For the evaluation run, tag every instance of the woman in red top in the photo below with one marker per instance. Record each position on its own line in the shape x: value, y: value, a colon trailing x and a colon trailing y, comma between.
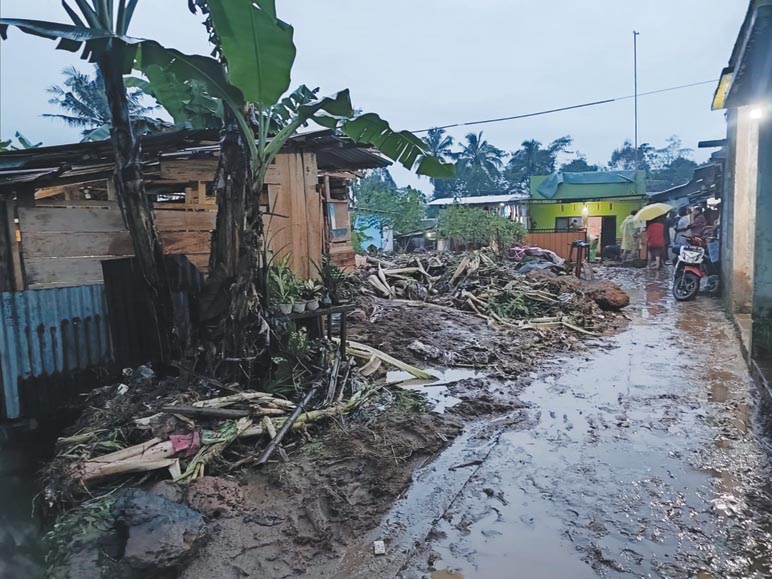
x: 655, y: 240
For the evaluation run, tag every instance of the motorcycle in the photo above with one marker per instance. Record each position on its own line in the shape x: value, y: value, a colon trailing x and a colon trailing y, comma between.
x: 690, y: 269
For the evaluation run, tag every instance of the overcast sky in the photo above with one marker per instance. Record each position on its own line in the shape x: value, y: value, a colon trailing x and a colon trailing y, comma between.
x: 422, y: 63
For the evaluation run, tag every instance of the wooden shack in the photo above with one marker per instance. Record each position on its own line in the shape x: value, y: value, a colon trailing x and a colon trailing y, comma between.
x: 59, y: 218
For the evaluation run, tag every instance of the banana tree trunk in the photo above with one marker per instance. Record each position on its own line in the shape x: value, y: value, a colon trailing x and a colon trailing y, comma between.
x: 231, y: 189
x: 138, y: 214
x: 232, y: 304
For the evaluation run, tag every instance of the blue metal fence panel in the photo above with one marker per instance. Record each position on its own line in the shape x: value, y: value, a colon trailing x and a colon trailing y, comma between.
x: 46, y: 332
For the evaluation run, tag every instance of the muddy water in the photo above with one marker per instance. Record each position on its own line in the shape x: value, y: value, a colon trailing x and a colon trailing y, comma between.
x: 639, y: 460
x: 21, y: 553
x: 436, y: 390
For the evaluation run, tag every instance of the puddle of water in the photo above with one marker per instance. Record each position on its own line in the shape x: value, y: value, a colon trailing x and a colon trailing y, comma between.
x: 446, y: 574
x: 436, y: 390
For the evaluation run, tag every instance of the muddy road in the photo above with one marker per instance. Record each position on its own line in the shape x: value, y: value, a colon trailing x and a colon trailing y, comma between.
x: 641, y: 459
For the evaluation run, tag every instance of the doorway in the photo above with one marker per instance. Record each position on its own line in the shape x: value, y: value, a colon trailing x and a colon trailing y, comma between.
x: 608, y: 234
x: 603, y: 228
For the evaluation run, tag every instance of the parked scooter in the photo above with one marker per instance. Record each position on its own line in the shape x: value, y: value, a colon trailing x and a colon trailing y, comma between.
x: 691, y: 267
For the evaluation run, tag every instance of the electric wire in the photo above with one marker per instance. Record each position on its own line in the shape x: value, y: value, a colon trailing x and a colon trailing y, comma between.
x: 568, y: 108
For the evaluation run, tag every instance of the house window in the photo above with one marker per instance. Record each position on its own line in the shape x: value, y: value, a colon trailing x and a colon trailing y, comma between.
x: 568, y: 223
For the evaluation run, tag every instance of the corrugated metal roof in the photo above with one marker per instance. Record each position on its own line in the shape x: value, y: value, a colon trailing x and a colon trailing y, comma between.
x: 588, y: 186
x: 79, y: 162
x: 481, y: 200
x: 99, y: 151
x: 48, y: 332
x: 334, y: 153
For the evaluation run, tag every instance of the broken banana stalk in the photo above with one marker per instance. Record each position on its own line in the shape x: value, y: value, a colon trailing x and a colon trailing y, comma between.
x: 366, y: 352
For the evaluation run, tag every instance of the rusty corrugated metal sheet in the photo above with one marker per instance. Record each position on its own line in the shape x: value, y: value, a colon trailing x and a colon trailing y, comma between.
x: 49, y: 332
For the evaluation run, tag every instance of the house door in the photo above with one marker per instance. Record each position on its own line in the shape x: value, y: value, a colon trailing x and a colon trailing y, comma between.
x: 608, y: 234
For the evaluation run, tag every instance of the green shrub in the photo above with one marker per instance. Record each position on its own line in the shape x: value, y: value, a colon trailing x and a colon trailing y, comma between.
x: 475, y: 226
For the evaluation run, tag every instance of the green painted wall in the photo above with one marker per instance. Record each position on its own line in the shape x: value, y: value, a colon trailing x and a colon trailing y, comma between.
x: 544, y: 214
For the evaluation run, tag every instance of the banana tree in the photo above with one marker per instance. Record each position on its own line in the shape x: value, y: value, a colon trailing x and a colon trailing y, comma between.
x: 99, y: 29
x: 257, y: 53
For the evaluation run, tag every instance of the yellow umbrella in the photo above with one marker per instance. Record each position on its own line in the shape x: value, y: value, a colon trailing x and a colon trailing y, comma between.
x: 653, y: 211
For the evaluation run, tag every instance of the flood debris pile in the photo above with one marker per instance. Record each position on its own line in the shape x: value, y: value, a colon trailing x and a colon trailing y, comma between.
x: 140, y: 478
x: 496, y: 291
x: 192, y: 426
x: 186, y: 430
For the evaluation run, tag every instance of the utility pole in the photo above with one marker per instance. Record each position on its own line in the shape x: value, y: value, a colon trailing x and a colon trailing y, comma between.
x: 635, y: 66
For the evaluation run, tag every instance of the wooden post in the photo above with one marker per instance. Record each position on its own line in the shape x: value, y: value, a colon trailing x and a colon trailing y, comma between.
x: 201, y: 192
x: 15, y: 253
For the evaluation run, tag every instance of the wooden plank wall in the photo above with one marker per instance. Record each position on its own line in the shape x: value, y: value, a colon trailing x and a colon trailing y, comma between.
x: 296, y: 224
x: 64, y: 243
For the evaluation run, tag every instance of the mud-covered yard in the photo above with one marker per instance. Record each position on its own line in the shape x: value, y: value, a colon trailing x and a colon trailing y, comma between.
x: 332, y: 483
x: 300, y: 518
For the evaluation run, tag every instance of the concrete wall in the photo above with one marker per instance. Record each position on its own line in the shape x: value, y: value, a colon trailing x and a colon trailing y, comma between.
x: 762, y: 273
x: 728, y: 214
x: 544, y: 214
x: 744, y: 230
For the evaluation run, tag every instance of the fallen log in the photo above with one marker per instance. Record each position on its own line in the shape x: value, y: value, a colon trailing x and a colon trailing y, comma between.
x: 224, y: 401
x: 151, y: 455
x: 376, y: 261
x: 379, y: 286
x: 222, y: 413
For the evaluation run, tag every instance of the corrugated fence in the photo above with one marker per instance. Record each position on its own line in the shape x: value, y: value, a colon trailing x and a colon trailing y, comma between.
x: 48, y: 332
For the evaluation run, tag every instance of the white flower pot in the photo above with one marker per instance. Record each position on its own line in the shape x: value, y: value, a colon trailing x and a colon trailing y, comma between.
x: 312, y: 305
x: 299, y: 308
x: 285, y: 308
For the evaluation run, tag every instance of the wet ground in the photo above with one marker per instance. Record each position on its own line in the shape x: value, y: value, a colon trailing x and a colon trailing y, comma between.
x: 642, y: 459
x: 20, y: 549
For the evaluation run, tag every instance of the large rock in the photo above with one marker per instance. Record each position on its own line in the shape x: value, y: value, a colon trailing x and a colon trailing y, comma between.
x: 610, y: 297
x: 161, y: 534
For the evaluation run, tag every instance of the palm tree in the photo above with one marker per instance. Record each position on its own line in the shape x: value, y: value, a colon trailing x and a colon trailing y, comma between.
x: 440, y: 143
x: 479, y: 164
x: 84, y: 105
x: 534, y: 159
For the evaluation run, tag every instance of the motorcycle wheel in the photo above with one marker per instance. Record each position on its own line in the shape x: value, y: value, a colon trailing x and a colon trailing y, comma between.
x: 686, y: 285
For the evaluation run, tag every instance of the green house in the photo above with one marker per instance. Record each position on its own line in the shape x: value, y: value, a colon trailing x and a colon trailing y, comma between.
x: 595, y: 202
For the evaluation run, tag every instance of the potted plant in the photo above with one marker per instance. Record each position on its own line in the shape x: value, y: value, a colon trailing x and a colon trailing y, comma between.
x: 330, y: 276
x: 298, y: 303
x: 311, y: 291
x: 282, y: 286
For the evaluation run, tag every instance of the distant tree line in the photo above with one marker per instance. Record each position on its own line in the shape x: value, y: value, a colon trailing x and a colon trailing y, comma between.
x: 484, y: 169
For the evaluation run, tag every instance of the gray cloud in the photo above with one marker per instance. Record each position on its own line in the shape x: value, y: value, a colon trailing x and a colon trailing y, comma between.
x: 421, y: 63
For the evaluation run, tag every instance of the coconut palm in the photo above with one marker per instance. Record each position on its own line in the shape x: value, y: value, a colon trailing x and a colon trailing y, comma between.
x: 440, y: 143
x: 534, y: 159
x: 99, y: 29
x: 479, y: 164
x: 84, y: 104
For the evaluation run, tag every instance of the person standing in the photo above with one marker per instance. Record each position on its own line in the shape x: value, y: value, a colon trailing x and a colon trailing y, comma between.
x: 670, y: 225
x: 655, y: 241
x: 699, y: 222
x: 683, y: 227
x: 628, y: 229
